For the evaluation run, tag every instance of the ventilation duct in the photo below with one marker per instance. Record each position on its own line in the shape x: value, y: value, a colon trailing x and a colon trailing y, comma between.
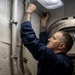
x: 65, y: 24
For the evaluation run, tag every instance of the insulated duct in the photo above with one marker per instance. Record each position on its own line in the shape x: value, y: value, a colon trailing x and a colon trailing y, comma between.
x: 66, y: 24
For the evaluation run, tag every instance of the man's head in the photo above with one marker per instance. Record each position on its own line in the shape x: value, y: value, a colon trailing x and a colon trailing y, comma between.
x: 60, y: 42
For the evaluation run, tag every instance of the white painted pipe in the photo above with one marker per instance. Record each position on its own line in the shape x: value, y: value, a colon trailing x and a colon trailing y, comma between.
x: 14, y: 21
x: 14, y: 37
x: 15, y: 66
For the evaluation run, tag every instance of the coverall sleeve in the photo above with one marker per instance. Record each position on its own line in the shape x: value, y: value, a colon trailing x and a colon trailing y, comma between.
x: 37, y: 49
x: 43, y: 37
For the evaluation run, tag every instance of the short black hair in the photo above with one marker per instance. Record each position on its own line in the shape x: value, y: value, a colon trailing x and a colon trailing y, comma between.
x: 68, y: 39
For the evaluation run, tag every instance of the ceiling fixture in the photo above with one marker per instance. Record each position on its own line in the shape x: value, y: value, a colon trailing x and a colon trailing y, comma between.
x: 51, y: 4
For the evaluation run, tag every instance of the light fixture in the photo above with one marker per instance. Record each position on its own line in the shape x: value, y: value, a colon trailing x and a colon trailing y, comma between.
x: 51, y: 4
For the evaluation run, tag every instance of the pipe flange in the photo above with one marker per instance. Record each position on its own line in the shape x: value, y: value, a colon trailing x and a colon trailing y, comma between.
x: 14, y: 22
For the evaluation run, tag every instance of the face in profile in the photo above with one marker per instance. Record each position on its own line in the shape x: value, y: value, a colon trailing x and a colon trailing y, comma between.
x: 55, y: 42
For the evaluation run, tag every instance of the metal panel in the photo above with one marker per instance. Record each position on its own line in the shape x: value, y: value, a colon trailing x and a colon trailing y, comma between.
x: 69, y: 8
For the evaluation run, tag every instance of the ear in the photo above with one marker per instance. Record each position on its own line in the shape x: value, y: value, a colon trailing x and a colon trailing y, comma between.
x: 62, y: 46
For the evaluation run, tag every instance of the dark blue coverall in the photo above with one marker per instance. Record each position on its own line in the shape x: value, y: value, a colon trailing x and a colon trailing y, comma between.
x: 49, y: 62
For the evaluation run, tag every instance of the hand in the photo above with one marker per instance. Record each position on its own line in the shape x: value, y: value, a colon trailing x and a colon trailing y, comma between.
x: 45, y: 18
x: 31, y: 8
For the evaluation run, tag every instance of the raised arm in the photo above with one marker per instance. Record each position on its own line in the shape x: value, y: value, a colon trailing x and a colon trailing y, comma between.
x: 27, y: 16
x: 39, y: 51
x: 43, y: 27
